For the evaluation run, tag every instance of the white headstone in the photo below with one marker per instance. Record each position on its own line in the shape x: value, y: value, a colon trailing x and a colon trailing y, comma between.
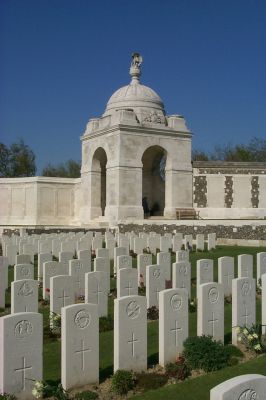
x: 124, y: 262
x: 97, y: 243
x: 211, y: 241
x: 85, y: 257
x: 24, y: 296
x: 21, y: 348
x: 23, y: 271
x: 130, y: 333
x: 42, y: 258
x: 96, y: 291
x: 56, y: 247
x: 226, y: 273
x: 155, y: 282
x: 261, y: 265
x: 119, y: 251
x: 77, y: 270
x: 164, y: 260
x: 61, y: 292
x: 165, y: 244
x: 50, y: 268
x: 182, y: 276
x: 200, y: 242
x: 152, y: 244
x: 177, y: 242
x: 243, y: 305
x: 29, y: 250
x: 102, y: 253
x: 263, y: 303
x: 188, y: 240
x: 139, y: 245
x: 23, y: 259
x: 80, y: 345
x: 210, y: 315
x: 127, y: 282
x: 173, y: 324
x: 182, y: 255
x: 110, y: 245
x: 143, y: 260
x: 204, y: 272
x: 4, y: 270
x: 103, y: 264
x: 64, y: 258
x: 245, y: 266
x: 10, y: 253
x: 243, y: 387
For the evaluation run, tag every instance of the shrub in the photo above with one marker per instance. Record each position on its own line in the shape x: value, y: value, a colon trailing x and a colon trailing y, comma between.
x: 6, y: 396
x: 88, y: 395
x: 152, y: 313
x: 251, y: 338
x: 122, y: 381
x: 178, y: 369
x: 43, y: 389
x: 202, y: 352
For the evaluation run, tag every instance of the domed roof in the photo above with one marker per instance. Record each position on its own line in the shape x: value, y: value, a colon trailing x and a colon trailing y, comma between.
x: 135, y: 95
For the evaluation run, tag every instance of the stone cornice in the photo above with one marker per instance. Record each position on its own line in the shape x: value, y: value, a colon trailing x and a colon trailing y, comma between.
x: 121, y: 128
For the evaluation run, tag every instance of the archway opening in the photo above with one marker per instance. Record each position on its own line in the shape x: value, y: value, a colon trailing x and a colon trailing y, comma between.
x: 153, y: 181
x: 98, y: 188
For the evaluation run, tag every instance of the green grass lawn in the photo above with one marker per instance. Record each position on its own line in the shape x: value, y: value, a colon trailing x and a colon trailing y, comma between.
x: 185, y: 390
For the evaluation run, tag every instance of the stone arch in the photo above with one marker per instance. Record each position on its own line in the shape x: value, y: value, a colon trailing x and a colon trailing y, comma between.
x: 154, y: 160
x: 98, y: 181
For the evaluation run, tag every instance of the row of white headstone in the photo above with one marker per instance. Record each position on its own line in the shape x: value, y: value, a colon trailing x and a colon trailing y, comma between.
x: 21, y: 341
x: 56, y: 243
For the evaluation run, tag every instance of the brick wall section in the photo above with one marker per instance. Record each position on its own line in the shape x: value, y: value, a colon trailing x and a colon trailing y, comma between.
x: 228, y: 232
x: 228, y: 195
x: 200, y: 191
x: 255, y: 191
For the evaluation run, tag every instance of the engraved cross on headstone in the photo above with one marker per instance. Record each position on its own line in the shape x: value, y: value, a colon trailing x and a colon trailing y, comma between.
x: 64, y: 297
x: 128, y: 287
x: 212, y: 321
x: 23, y: 372
x: 175, y: 330
x: 98, y: 291
x: 82, y: 352
x: 228, y: 276
x: 132, y: 342
x: 246, y: 315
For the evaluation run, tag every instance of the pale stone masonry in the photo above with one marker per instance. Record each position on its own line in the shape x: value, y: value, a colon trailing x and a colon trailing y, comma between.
x: 80, y: 345
x: 21, y: 348
x: 130, y: 333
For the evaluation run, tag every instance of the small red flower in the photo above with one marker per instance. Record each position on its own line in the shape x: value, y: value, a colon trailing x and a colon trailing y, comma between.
x: 47, y: 290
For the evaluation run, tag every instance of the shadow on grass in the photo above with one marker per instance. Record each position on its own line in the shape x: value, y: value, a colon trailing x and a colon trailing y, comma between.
x: 227, y: 338
x: 153, y: 359
x: 106, y: 373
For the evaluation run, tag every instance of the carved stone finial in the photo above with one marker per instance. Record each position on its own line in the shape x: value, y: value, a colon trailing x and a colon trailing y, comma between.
x: 135, y: 70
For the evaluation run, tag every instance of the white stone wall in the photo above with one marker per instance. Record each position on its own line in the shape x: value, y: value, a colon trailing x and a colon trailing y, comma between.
x: 241, y: 206
x: 39, y: 201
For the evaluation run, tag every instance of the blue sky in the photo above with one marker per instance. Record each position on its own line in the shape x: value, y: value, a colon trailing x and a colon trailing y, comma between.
x: 61, y: 60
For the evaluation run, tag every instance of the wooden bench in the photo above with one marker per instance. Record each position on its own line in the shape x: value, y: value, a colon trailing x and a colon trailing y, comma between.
x: 187, y: 213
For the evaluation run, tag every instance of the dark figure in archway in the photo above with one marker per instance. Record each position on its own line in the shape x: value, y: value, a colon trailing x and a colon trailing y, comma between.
x: 145, y: 207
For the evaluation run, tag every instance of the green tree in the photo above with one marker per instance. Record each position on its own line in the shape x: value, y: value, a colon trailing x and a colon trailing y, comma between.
x: 69, y: 169
x: 199, y: 155
x: 4, y: 160
x: 17, y: 161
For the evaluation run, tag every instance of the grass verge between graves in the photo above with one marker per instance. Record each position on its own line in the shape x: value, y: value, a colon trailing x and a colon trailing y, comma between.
x: 199, y: 388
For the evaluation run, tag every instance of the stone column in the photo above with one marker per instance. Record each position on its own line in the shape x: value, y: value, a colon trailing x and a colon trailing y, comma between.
x: 178, y: 191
